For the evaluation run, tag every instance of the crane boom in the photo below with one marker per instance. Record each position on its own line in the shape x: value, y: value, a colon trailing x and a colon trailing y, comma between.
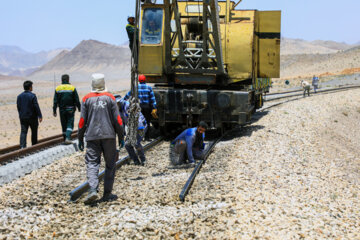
x: 203, y: 54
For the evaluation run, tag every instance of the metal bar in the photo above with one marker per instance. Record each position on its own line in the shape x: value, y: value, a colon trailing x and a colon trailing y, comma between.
x: 196, y: 170
x: 181, y: 58
x: 319, y: 91
x: 167, y: 36
x: 190, y: 181
x: 77, y: 192
x: 300, y: 90
x: 217, y: 35
x: 21, y: 152
x: 17, y: 147
x: 186, y: 70
x: 235, y: 5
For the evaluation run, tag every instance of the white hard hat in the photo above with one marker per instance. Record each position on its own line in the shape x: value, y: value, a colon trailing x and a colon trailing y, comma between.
x: 98, y: 82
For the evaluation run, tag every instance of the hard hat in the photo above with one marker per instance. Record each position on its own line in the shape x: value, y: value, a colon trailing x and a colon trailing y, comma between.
x: 142, y: 78
x: 130, y: 17
x: 98, y: 82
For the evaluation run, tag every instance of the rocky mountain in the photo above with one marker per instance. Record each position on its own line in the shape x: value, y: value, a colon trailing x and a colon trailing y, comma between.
x: 15, y: 61
x: 303, y: 65
x: 87, y: 57
x: 300, y: 46
x: 5, y: 77
x: 298, y: 58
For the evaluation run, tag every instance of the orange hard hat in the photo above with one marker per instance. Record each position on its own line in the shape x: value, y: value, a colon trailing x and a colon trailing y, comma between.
x: 142, y: 78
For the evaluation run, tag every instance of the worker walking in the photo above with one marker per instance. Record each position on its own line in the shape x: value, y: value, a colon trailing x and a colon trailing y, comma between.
x: 67, y: 99
x: 132, y: 33
x: 29, y: 114
x: 147, y: 102
x: 100, y: 122
x: 142, y: 128
x: 190, y: 141
x: 306, y: 87
x: 315, y: 83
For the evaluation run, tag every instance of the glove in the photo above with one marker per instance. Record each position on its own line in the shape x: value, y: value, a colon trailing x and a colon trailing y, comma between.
x: 121, y: 143
x: 54, y: 114
x: 154, y: 113
x: 81, y: 144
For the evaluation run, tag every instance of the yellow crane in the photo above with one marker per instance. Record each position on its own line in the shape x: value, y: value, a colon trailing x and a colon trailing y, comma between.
x: 208, y: 60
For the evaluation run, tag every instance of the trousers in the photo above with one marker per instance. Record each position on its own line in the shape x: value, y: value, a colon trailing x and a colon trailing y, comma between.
x: 139, y: 148
x: 146, y: 111
x: 307, y: 89
x: 178, y: 153
x: 94, y: 149
x: 67, y: 122
x: 316, y: 86
x: 25, y: 124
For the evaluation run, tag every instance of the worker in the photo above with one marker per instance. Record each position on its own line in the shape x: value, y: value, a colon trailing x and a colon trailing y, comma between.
x: 152, y: 28
x: 142, y: 128
x: 315, y: 83
x: 190, y: 141
x: 130, y: 29
x: 100, y: 122
x: 152, y: 33
x: 147, y: 102
x: 29, y: 114
x: 306, y: 87
x: 67, y: 99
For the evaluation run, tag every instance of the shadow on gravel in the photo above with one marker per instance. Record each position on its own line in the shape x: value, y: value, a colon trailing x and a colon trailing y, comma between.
x: 257, y: 116
x: 242, y: 131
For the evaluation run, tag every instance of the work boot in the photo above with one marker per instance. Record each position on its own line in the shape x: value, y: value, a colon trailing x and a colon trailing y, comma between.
x: 91, y: 197
x: 143, y: 160
x: 109, y: 197
x: 68, y: 141
x: 137, y: 162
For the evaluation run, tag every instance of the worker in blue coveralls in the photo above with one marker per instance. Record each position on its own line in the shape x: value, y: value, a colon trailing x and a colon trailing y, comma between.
x: 147, y: 102
x: 190, y: 141
x: 123, y: 106
x: 315, y: 83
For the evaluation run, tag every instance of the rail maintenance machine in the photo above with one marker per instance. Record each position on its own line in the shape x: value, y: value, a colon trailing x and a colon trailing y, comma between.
x: 209, y: 61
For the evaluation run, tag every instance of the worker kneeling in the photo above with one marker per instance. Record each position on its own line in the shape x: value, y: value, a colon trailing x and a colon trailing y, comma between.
x: 190, y: 141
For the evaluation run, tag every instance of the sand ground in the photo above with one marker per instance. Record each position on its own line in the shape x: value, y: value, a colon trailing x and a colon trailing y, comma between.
x: 9, y: 119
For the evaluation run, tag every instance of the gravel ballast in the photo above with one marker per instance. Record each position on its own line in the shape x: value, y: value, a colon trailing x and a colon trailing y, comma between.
x: 293, y: 173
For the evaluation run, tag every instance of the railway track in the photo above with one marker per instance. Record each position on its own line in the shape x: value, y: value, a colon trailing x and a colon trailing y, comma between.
x: 13, y: 152
x: 300, y: 93
x: 198, y: 166
x: 77, y: 192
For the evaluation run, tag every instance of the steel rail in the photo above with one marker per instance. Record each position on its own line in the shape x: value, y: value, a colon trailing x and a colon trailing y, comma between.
x: 77, y: 192
x: 278, y: 93
x: 328, y: 91
x: 24, y: 151
x: 300, y: 90
x: 198, y: 166
x: 320, y: 91
x: 17, y: 147
x: 196, y: 170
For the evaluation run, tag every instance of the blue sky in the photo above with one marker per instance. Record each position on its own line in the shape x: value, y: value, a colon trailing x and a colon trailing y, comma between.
x: 36, y: 25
